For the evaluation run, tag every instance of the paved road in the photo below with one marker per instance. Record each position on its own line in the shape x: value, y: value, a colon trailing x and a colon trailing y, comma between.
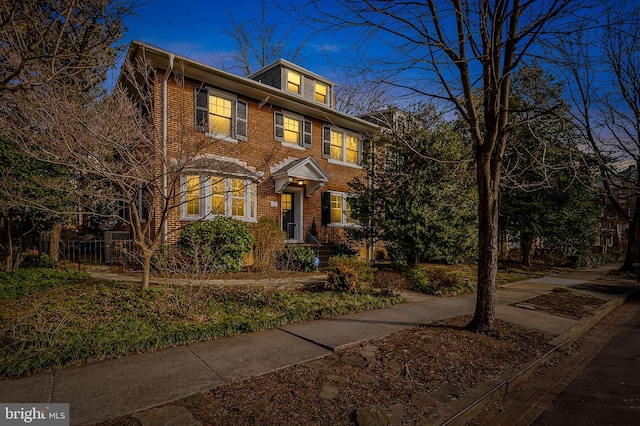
x: 597, y: 382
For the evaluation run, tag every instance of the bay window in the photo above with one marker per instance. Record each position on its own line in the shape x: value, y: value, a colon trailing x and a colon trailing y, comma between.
x: 206, y: 196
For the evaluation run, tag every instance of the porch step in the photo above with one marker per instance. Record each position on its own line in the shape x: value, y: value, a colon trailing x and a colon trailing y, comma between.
x: 324, y: 253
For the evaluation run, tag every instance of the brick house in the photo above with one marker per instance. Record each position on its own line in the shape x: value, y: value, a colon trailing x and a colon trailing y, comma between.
x: 271, y: 144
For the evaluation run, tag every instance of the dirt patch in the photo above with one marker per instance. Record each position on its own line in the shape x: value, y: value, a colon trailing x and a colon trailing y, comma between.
x: 415, y: 372
x: 564, y: 303
x: 408, y: 377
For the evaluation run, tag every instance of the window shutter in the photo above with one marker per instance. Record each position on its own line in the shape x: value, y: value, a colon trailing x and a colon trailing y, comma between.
x: 326, y: 207
x: 307, y: 134
x: 326, y: 142
x: 202, y: 109
x: 241, y: 120
x: 360, y: 151
x: 278, y: 129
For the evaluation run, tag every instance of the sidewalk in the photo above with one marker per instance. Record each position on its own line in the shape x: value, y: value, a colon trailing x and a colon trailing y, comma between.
x: 113, y: 388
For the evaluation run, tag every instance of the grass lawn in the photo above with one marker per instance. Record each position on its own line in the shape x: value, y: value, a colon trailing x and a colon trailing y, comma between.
x: 70, y: 323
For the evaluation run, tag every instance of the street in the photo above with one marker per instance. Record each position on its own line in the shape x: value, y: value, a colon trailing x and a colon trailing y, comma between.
x: 596, y: 382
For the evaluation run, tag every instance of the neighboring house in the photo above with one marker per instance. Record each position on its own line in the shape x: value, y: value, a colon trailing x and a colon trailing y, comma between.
x: 271, y: 144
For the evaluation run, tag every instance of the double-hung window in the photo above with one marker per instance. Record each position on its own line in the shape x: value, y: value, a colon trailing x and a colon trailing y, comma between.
x: 337, y: 209
x: 341, y: 146
x: 207, y: 196
x: 322, y: 91
x: 220, y: 114
x: 294, y: 82
x: 292, y: 129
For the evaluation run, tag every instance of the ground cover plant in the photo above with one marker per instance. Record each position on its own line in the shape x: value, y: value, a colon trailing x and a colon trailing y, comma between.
x: 74, y: 324
x: 26, y: 281
x: 451, y: 280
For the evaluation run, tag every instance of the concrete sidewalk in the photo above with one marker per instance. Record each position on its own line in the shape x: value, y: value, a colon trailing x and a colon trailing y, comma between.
x: 113, y: 388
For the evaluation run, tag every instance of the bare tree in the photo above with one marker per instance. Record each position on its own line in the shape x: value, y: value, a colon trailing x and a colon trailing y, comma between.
x: 262, y: 40
x: 601, y: 60
x: 48, y: 43
x: 451, y: 51
x: 113, y: 148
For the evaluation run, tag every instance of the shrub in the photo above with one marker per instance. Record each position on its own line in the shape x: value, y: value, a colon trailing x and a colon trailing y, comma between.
x: 302, y: 258
x: 269, y: 244
x: 297, y: 258
x: 437, y: 282
x: 348, y: 273
x: 217, y: 245
x: 592, y: 260
x: 38, y: 261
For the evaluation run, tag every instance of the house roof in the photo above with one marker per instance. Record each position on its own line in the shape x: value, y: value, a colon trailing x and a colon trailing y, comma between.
x: 247, y: 87
x: 286, y: 64
x: 227, y: 168
x: 305, y: 169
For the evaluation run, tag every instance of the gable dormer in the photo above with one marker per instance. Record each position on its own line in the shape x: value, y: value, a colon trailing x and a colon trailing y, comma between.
x: 296, y: 80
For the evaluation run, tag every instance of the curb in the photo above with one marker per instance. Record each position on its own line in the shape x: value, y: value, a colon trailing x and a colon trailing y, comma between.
x: 495, y: 390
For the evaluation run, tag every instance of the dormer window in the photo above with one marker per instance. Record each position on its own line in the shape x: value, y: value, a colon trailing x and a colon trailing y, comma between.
x: 321, y: 92
x: 293, y: 82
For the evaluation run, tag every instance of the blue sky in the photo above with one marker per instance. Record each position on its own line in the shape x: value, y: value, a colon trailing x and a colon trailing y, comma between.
x: 195, y: 29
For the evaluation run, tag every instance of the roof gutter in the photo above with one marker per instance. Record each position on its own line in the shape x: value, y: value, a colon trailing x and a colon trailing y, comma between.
x: 164, y: 144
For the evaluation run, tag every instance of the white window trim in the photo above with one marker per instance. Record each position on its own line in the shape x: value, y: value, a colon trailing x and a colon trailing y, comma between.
x: 343, y: 161
x: 250, y: 201
x: 343, y: 216
x: 327, y: 96
x: 233, y: 138
x: 184, y: 216
x: 301, y: 135
x: 301, y: 87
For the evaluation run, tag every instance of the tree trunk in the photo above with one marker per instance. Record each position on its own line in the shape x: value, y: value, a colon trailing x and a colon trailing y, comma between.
x: 484, y: 316
x: 633, y: 241
x: 54, y: 242
x: 146, y: 269
x: 525, y: 247
x: 6, y: 244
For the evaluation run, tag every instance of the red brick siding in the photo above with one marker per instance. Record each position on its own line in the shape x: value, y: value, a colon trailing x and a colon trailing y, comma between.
x: 260, y: 151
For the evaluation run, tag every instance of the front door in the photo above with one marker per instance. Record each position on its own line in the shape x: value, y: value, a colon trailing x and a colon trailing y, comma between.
x: 289, y: 215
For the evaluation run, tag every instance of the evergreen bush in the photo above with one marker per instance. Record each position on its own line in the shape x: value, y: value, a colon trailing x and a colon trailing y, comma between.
x: 217, y: 245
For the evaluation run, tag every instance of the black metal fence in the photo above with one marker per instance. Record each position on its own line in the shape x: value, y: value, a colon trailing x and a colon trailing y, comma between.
x: 111, y: 250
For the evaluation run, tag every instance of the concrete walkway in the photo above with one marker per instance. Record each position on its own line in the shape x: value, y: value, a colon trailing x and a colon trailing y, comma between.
x: 116, y: 387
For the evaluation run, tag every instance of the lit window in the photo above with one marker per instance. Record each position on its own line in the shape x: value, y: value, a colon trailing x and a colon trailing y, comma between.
x: 336, y: 145
x: 293, y: 82
x: 193, y: 195
x: 237, y: 197
x: 336, y: 208
x: 220, y: 115
x: 340, y: 211
x: 321, y: 92
x: 340, y: 145
x: 352, y: 149
x: 291, y: 130
x: 217, y: 197
x: 223, y: 196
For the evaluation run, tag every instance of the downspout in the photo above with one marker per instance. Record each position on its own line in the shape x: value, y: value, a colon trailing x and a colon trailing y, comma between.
x: 164, y: 144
